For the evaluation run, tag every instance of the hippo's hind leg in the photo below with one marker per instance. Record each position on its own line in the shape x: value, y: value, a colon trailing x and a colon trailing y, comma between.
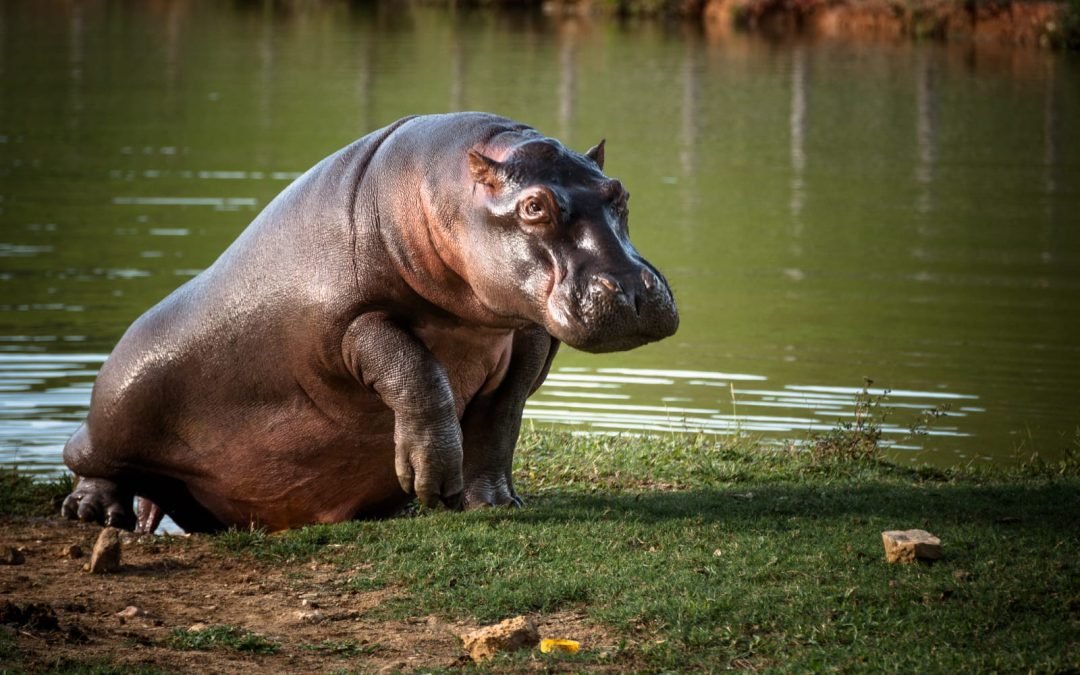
x: 106, y: 496
x: 96, y: 498
x: 99, y: 500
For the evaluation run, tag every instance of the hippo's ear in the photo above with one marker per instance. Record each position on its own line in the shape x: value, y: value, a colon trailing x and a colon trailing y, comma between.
x: 596, y: 154
x: 485, y: 170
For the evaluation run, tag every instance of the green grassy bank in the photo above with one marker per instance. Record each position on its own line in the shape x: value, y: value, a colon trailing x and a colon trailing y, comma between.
x: 698, y: 556
x: 702, y: 556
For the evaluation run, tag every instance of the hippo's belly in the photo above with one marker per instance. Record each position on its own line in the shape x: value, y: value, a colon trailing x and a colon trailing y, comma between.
x: 287, y: 468
x: 320, y: 451
x: 285, y: 464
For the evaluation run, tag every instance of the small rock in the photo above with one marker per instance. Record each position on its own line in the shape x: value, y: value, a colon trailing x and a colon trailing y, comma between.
x: 314, y: 616
x: 908, y: 545
x: 71, y: 552
x: 106, y: 556
x: 9, y: 555
x: 131, y: 612
x: 510, y: 635
x: 197, y: 627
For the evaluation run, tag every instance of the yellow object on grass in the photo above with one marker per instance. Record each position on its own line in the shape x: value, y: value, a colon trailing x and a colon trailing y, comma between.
x: 565, y: 646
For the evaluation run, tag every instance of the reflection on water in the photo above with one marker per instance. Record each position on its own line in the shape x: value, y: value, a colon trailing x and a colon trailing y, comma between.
x: 824, y: 211
x: 219, y: 203
x: 799, y: 87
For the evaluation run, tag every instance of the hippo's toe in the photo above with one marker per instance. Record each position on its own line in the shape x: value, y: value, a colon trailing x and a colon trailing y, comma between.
x: 482, y: 494
x: 97, y: 500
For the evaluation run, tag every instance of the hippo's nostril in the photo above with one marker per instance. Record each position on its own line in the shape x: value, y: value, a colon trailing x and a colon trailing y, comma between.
x: 608, y: 282
x: 648, y: 278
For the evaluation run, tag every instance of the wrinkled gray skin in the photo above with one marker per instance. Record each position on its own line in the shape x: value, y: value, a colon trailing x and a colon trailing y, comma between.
x: 373, y: 334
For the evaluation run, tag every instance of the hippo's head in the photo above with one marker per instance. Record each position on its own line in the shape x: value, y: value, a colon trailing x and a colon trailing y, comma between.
x: 549, y: 232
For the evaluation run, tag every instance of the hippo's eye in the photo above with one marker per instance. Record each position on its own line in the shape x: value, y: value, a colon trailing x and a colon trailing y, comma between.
x: 532, y: 210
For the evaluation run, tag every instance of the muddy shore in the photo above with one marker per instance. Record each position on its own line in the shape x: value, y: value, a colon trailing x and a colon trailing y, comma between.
x: 1035, y: 23
x: 295, y: 617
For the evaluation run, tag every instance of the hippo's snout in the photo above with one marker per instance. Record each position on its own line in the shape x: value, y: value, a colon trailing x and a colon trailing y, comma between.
x: 630, y: 293
x: 623, y: 311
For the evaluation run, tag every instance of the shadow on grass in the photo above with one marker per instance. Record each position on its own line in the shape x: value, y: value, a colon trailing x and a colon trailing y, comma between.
x: 1054, y: 504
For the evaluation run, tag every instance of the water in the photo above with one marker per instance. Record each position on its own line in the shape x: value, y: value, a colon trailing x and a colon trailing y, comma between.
x: 826, y: 212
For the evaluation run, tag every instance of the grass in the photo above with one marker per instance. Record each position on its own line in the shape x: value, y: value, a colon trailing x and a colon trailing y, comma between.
x: 8, y: 647
x: 695, y: 555
x: 222, y: 637
x: 22, y: 495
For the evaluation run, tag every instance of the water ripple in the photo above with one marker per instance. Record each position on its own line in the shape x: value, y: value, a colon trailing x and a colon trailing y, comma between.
x: 800, y: 410
x: 43, y: 399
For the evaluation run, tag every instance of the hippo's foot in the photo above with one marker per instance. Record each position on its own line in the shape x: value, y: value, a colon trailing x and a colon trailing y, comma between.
x: 430, y: 468
x: 98, y: 500
x: 482, y: 493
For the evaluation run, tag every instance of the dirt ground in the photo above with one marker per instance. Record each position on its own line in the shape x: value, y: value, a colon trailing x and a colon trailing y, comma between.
x: 178, y: 583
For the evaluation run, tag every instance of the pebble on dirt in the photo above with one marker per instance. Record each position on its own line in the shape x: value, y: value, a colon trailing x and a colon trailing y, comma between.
x: 106, y: 556
x: 131, y: 612
x: 9, y: 555
x: 71, y: 551
x: 908, y: 545
x: 510, y: 635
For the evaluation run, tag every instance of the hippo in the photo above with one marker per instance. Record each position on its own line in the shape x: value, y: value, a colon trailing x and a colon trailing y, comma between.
x: 370, y: 338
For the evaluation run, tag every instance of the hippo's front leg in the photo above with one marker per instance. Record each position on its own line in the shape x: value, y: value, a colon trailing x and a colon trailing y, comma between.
x: 412, y: 382
x: 492, y: 421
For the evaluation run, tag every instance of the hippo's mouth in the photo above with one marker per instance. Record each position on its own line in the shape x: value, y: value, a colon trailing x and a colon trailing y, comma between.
x: 605, y: 318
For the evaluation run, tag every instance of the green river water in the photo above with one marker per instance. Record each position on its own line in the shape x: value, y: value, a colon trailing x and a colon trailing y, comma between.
x: 826, y: 212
